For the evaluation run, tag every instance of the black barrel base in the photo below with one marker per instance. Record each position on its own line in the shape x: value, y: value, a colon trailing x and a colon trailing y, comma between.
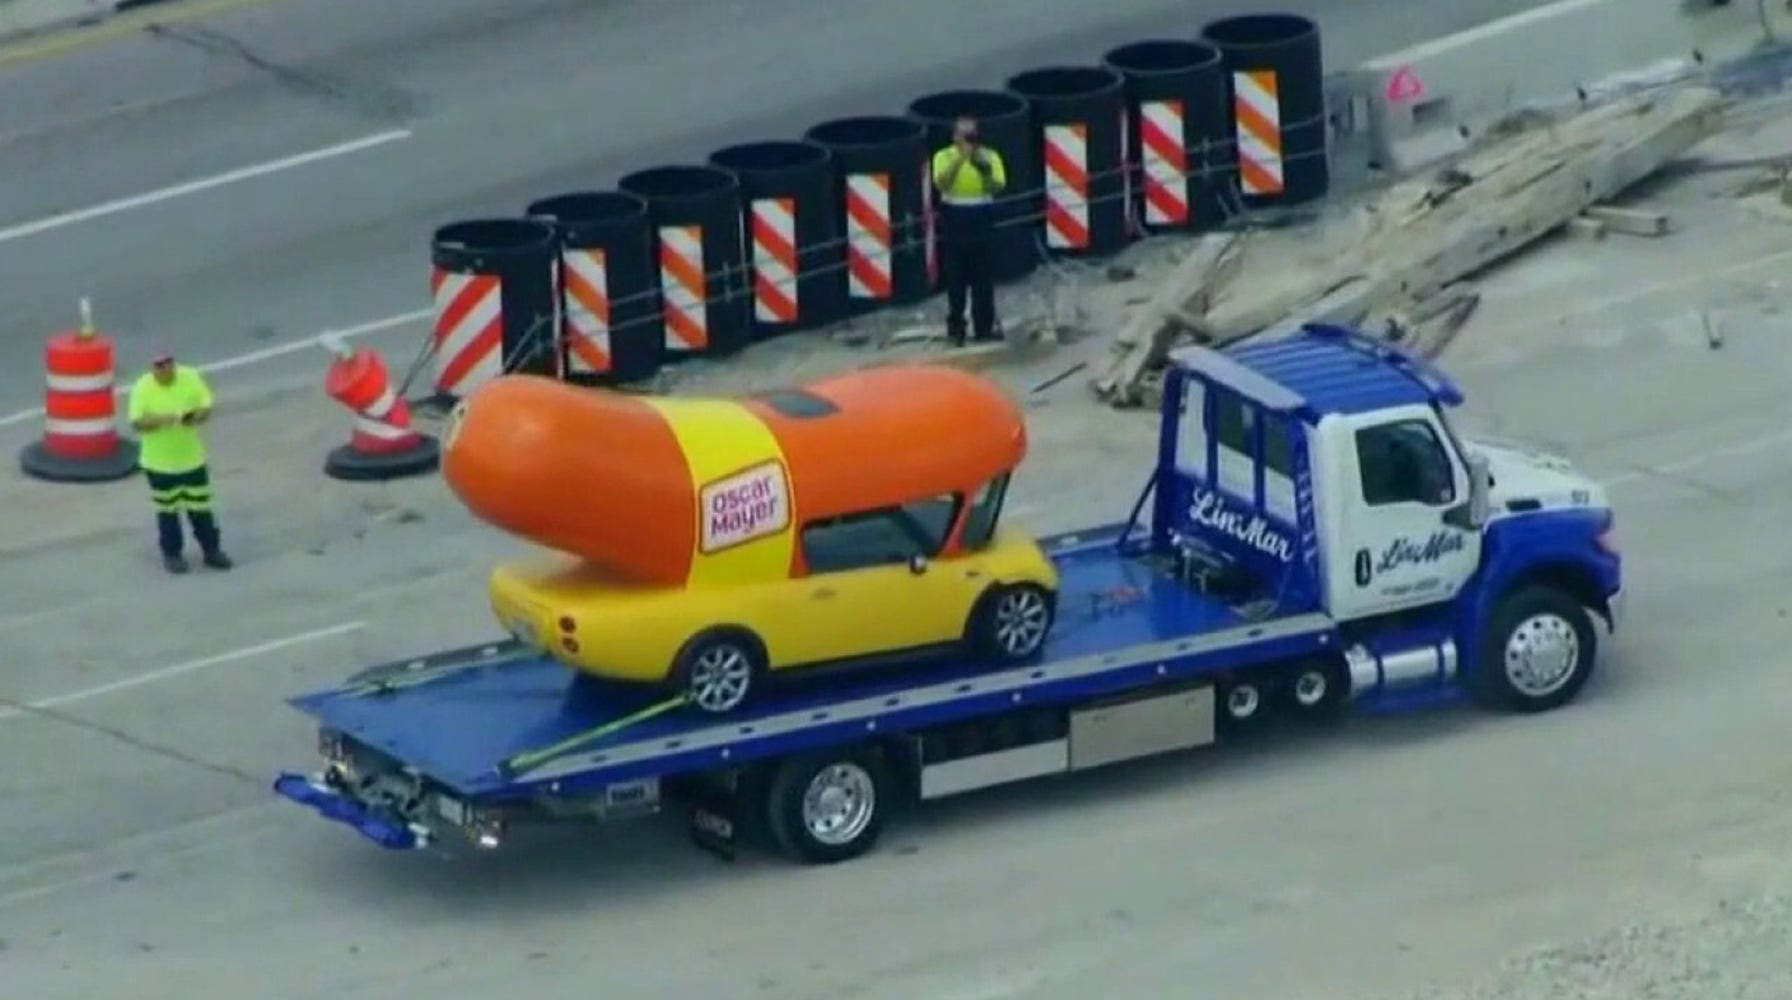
x: 37, y: 462
x: 349, y: 465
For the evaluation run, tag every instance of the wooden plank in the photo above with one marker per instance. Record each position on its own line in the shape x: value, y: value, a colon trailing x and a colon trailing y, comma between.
x: 1422, y: 236
x: 1629, y: 221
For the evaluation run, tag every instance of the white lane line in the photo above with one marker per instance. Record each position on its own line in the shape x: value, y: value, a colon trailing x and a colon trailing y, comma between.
x: 238, y: 175
x: 182, y: 669
x: 265, y: 354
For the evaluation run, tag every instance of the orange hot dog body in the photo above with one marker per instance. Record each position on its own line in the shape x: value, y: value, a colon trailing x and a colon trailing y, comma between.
x: 609, y: 477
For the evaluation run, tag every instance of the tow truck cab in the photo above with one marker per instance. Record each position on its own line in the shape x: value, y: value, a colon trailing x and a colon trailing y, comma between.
x: 1322, y: 472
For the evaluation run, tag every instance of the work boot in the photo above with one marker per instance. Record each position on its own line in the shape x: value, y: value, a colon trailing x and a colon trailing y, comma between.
x: 174, y: 564
x: 216, y: 559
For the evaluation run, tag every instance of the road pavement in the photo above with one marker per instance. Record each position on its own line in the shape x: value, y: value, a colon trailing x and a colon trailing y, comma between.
x: 482, y: 107
x: 141, y: 852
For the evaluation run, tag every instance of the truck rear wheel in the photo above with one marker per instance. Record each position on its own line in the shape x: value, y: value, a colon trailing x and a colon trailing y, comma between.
x: 1241, y: 703
x: 1538, y: 651
x: 824, y: 808
x: 1316, y: 690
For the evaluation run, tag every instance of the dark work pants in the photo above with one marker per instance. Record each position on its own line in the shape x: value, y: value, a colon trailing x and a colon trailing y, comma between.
x: 183, y: 492
x: 967, y: 238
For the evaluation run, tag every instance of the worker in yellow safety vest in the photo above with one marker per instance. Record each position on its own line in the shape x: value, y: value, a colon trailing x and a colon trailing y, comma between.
x: 168, y: 405
x: 969, y: 177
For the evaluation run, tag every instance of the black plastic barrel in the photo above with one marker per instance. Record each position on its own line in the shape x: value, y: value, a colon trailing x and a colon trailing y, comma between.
x: 706, y: 299
x: 1005, y: 123
x: 1078, y: 115
x: 794, y: 243
x: 1179, y: 135
x: 611, y: 331
x: 880, y: 173
x: 1277, y: 79
x: 492, y: 282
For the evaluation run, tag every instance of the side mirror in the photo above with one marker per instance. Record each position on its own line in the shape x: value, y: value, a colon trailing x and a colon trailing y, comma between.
x: 1472, y: 513
x: 1480, y: 488
x: 917, y: 564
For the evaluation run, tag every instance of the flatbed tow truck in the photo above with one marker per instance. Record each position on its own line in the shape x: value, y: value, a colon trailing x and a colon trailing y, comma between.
x: 1314, y: 535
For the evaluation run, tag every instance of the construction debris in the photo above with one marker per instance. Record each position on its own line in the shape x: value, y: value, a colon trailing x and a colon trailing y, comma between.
x: 1403, y: 255
x: 1630, y: 221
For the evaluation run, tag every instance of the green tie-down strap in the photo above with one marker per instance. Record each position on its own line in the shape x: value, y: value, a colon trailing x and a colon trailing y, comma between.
x: 530, y: 759
x: 396, y: 677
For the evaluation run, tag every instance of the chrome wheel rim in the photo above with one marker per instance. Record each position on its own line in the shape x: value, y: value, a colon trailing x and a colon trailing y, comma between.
x: 1310, y: 688
x: 1242, y: 701
x: 1541, y: 654
x: 839, y: 804
x: 720, y: 678
x: 1021, y: 621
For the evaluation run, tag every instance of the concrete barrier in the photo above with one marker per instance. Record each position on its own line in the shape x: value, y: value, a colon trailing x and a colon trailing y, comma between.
x: 1429, y: 102
x: 22, y: 18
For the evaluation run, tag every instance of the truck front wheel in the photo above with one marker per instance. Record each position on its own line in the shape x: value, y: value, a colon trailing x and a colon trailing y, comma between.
x: 823, y: 808
x: 1538, y: 651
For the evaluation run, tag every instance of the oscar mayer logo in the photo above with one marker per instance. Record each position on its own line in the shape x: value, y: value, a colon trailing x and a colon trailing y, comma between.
x: 740, y: 507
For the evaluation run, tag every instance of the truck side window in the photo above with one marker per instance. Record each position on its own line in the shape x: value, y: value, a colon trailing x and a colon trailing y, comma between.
x: 986, y: 508
x: 882, y: 537
x: 1237, y: 427
x: 1404, y: 462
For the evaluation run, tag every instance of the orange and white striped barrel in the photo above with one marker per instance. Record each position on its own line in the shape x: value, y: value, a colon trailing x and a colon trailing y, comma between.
x: 80, y: 443
x: 774, y: 261
x: 869, y: 236
x: 685, y: 289
x: 1256, y: 110
x: 80, y: 397
x: 1163, y: 163
x: 1067, y: 186
x: 359, y: 380
x: 468, y: 336
x: 585, y: 311
x: 382, y: 444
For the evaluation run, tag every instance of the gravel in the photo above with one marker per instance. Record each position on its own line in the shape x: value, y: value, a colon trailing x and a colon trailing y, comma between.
x: 1738, y: 950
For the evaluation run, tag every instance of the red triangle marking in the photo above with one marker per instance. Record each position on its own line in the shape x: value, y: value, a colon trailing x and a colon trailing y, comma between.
x: 1404, y: 85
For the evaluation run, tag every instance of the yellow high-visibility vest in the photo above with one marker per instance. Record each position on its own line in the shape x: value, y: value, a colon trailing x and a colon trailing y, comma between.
x: 969, y: 186
x: 178, y: 447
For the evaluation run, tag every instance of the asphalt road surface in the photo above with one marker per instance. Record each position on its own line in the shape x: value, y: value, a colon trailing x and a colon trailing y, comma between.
x: 141, y: 853
x: 362, y: 126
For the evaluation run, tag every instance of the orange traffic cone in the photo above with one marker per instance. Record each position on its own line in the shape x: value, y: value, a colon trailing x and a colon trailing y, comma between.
x: 81, y: 443
x: 382, y: 443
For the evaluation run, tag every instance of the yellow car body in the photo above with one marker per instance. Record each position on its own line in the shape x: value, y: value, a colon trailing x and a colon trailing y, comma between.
x: 634, y: 633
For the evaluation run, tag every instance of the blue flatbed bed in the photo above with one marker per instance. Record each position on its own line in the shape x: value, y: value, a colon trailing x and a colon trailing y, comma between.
x: 1122, y: 624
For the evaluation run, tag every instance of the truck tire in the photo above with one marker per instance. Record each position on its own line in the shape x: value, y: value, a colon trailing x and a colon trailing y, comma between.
x: 719, y: 671
x: 828, y: 807
x: 1241, y: 704
x: 1011, y: 622
x: 1537, y: 653
x: 1316, y: 690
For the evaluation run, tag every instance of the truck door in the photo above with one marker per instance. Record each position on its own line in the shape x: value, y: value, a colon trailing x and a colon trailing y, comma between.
x: 1399, y: 549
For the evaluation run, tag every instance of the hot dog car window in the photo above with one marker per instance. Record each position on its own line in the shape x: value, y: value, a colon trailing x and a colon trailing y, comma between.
x: 883, y: 537
x: 986, y: 506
